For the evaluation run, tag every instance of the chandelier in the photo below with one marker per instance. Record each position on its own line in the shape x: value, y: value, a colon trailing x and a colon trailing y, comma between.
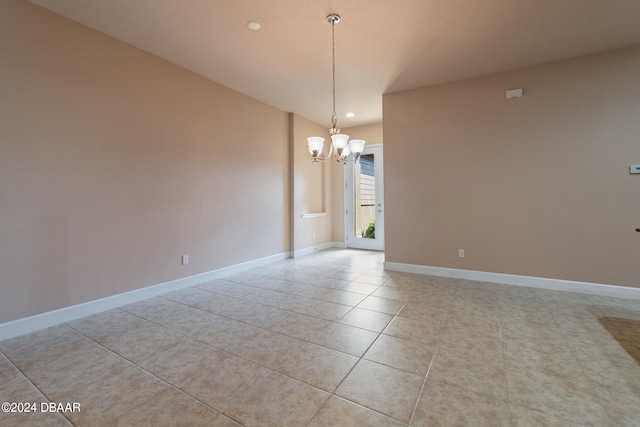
x: 341, y: 147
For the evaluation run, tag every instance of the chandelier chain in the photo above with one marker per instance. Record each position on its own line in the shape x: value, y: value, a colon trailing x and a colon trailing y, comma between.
x: 334, y: 118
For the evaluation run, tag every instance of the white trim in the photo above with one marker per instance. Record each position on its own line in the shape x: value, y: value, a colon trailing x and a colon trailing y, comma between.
x: 314, y: 215
x: 512, y: 279
x: 312, y: 249
x: 55, y: 317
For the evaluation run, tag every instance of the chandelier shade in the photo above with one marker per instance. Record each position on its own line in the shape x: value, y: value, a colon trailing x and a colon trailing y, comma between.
x: 356, y: 145
x: 339, y: 140
x: 316, y: 144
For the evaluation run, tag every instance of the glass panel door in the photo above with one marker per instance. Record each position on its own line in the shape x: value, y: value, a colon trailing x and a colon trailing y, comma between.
x: 363, y: 201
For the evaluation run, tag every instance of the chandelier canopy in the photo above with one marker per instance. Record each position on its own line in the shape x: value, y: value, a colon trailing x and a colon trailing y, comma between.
x: 341, y: 147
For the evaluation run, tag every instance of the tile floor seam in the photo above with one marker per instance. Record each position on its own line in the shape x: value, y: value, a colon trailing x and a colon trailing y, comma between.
x: 119, y: 356
x: 504, y: 367
x: 426, y: 376
x: 598, y: 395
x: 254, y: 380
x: 217, y: 314
x: 287, y: 281
x: 357, y: 404
x: 167, y: 383
x: 562, y: 417
x: 424, y: 383
x: 574, y: 353
x: 285, y: 293
x: 244, y: 358
x: 360, y: 358
x: 31, y: 383
x: 354, y: 366
x: 218, y: 348
x: 545, y: 414
x: 181, y: 391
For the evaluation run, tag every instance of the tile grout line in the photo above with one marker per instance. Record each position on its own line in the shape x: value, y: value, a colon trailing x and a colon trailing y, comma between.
x: 433, y: 358
x: 253, y: 325
x: 332, y: 394
x: 360, y: 358
x: 504, y: 364
x: 42, y: 393
x: 572, y: 351
x: 132, y: 363
x: 574, y: 354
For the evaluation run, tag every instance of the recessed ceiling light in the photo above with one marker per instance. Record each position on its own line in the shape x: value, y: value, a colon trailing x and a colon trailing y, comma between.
x: 253, y: 25
x: 350, y: 115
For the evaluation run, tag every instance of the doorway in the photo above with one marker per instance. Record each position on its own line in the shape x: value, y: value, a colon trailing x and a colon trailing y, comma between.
x: 364, y: 201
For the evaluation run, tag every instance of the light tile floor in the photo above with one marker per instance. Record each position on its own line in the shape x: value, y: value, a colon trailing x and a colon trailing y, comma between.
x: 332, y: 339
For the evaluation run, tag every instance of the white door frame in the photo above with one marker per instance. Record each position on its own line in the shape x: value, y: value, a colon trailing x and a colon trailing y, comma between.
x: 349, y: 199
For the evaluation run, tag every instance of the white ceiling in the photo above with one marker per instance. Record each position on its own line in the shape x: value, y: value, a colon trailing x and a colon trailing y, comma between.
x: 382, y: 46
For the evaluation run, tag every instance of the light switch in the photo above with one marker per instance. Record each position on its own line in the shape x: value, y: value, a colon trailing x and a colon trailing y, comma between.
x: 634, y: 169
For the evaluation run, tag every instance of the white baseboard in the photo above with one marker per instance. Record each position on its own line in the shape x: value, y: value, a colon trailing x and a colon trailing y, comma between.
x: 512, y: 279
x: 321, y: 247
x: 55, y: 317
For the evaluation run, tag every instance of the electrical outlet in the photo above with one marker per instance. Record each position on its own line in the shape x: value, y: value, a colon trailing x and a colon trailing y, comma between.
x: 185, y: 259
x: 461, y: 253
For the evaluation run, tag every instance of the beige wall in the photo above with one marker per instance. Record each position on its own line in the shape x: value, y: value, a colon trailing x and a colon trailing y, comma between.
x: 372, y: 134
x: 114, y: 163
x: 311, y: 187
x: 536, y: 186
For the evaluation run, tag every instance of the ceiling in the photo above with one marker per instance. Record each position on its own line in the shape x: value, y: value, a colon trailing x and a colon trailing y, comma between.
x: 382, y: 46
